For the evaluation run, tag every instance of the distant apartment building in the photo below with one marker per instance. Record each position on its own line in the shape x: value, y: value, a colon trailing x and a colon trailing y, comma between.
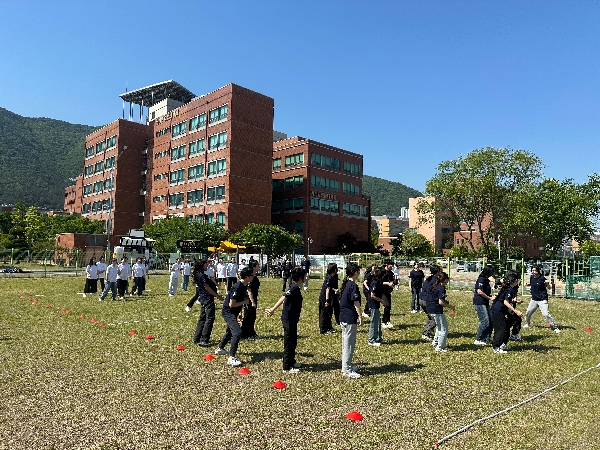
x: 389, y: 227
x: 433, y: 229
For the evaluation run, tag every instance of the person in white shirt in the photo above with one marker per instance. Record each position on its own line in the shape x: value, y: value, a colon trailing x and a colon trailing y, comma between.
x: 231, y: 273
x: 111, y: 280
x: 146, y: 274
x: 185, y: 270
x: 210, y: 271
x: 139, y: 271
x: 241, y: 267
x: 91, y: 278
x: 123, y: 275
x: 174, y: 279
x: 221, y: 272
x: 396, y: 273
x: 101, y: 269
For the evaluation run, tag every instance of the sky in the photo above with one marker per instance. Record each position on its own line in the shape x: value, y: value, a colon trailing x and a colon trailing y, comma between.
x: 407, y: 84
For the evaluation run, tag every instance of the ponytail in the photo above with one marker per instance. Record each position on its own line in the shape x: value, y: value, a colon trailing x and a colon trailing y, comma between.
x: 351, y: 269
x: 440, y: 277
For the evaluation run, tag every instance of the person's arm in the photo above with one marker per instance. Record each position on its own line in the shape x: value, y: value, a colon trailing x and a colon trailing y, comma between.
x: 359, y: 312
x: 208, y: 289
x: 380, y: 300
x: 251, y: 296
x: 269, y: 311
x: 233, y: 303
x: 484, y: 295
x: 446, y: 304
x: 512, y: 309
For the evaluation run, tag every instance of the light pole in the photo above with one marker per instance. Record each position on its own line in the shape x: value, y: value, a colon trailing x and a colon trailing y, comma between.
x: 308, y: 242
x: 498, y: 247
x: 110, y: 206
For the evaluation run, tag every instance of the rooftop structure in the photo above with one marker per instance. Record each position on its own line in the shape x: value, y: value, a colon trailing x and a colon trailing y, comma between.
x: 150, y: 95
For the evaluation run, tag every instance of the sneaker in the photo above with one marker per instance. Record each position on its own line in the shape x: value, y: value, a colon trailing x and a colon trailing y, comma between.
x: 557, y: 330
x: 482, y: 343
x: 434, y: 343
x: 525, y: 325
x: 305, y: 288
x: 381, y: 341
x: 505, y: 347
x: 297, y: 365
x: 353, y: 375
x: 354, y: 368
x: 188, y: 309
x: 442, y: 350
x: 331, y: 331
x: 198, y: 302
x: 413, y: 311
x: 121, y: 298
x: 292, y: 370
x: 170, y: 295
x: 221, y: 351
x: 203, y: 344
x: 84, y: 296
x: 366, y: 316
x: 233, y: 361
x: 100, y: 299
x: 515, y: 337
x: 426, y: 338
x: 499, y: 350
x: 387, y: 325
x: 374, y: 343
x: 250, y: 338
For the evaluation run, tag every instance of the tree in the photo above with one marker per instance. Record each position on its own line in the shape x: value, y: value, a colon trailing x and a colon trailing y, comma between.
x: 271, y: 239
x: 411, y: 245
x: 461, y: 252
x: 479, y: 190
x: 589, y: 248
x: 168, y: 231
x: 36, y: 231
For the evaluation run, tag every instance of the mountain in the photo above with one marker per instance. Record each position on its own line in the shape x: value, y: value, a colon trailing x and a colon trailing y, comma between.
x: 387, y: 197
x: 37, y: 158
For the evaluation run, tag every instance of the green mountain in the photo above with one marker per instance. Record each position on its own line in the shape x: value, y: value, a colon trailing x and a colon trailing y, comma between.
x: 387, y: 197
x: 37, y: 158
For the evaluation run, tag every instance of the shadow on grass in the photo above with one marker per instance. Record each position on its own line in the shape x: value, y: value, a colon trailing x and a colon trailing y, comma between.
x: 392, y: 367
x: 262, y: 356
x: 5, y: 338
x: 401, y: 326
x: 404, y: 341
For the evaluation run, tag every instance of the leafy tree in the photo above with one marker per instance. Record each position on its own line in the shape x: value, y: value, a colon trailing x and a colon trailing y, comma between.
x: 589, y: 248
x: 461, y: 252
x: 168, y: 231
x: 411, y: 245
x: 387, y: 197
x: 36, y: 234
x: 271, y: 239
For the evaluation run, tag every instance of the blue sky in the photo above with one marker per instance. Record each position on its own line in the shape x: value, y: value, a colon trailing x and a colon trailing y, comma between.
x: 406, y: 84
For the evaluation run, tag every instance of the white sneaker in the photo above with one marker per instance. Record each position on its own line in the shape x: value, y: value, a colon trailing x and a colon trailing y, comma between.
x: 198, y: 302
x: 374, y: 343
x: 188, y: 309
x: 515, y: 337
x: 442, y: 350
x: 292, y: 370
x: 505, y: 347
x: 482, y: 343
x: 413, y: 311
x: 305, y: 288
x: 84, y: 296
x: 557, y: 330
x: 221, y: 351
x: 233, y: 361
x: 426, y: 338
x: 525, y: 325
x: 353, y: 375
x: 499, y: 350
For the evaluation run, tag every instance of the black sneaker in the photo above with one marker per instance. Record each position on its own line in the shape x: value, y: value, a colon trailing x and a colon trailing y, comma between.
x: 203, y: 344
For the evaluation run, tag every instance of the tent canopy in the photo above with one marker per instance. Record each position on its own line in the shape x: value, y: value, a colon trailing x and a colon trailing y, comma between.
x: 227, y: 247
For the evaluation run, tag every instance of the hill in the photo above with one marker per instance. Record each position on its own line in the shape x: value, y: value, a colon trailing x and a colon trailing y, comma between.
x: 387, y: 197
x: 37, y: 158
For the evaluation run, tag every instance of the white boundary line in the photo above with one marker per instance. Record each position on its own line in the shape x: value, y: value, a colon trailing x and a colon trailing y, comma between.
x: 465, y: 428
x: 148, y: 320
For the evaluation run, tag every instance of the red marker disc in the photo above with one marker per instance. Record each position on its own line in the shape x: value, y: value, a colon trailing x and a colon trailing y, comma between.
x: 354, y: 416
x: 94, y: 320
x: 279, y: 385
x: 244, y: 371
x: 132, y: 332
x: 180, y: 347
x: 209, y: 357
x: 588, y: 329
x: 82, y: 316
x: 48, y: 306
x: 149, y: 337
x: 101, y: 324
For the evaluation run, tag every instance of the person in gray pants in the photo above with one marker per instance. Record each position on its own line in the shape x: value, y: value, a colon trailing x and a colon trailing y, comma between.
x: 428, y: 331
x: 539, y: 298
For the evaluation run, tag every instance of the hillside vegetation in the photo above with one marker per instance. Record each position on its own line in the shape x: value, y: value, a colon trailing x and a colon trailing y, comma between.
x: 387, y: 197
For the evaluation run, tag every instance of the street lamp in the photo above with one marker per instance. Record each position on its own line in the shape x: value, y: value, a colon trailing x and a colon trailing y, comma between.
x: 308, y: 242
x: 110, y: 206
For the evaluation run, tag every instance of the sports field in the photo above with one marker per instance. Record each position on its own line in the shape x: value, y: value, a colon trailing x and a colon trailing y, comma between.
x: 71, y: 382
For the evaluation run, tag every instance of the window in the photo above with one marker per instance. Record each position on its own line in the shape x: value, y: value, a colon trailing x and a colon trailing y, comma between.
x: 98, y: 187
x: 108, y: 184
x: 89, y: 151
x: 277, y: 163
x: 221, y: 218
x: 294, y: 160
x: 218, y: 114
x: 111, y: 141
x: 355, y: 210
x: 161, y: 176
x: 163, y: 131
x: 217, y: 167
x: 106, y: 204
x: 178, y: 153
x: 314, y: 204
x: 100, y: 146
x: 276, y: 207
x: 88, y: 171
x: 177, y: 176
x: 96, y: 207
x: 299, y: 228
x: 287, y: 226
x: 87, y: 189
x: 98, y: 166
x: 194, y: 197
x: 350, y: 188
x: 198, y: 122
x: 159, y: 198
x: 325, y: 183
x: 325, y: 205
x: 277, y: 184
x: 293, y: 204
x: 215, y: 193
x: 109, y: 163
x: 210, y: 218
x: 85, y: 208
x: 161, y: 154
x: 197, y: 147
x: 352, y: 168
x: 294, y: 182
x: 217, y: 141
x: 335, y: 207
x: 176, y: 200
x: 220, y: 194
x: 325, y: 161
x: 179, y: 129
x: 196, y: 172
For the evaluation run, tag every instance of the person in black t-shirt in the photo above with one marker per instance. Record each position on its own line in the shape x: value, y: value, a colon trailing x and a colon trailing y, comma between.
x: 427, y: 334
x: 387, y: 281
x: 206, y: 291
x: 286, y: 271
x: 306, y: 267
x: 248, y: 331
x: 326, y: 299
x: 290, y: 316
x: 416, y: 277
x: 515, y: 321
x: 350, y: 318
x: 482, y: 296
x: 501, y: 308
x: 539, y: 298
x: 366, y: 285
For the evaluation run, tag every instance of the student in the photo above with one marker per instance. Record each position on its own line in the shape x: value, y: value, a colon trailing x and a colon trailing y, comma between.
x: 231, y: 273
x: 436, y: 302
x: 306, y: 267
x: 91, y: 278
x: 514, y: 320
x: 206, y: 291
x: 221, y: 272
x: 539, y: 298
x: 233, y: 304
x: 481, y: 302
x: 427, y: 334
x: 290, y: 316
x: 286, y: 272
x: 248, y: 331
x: 416, y: 277
x: 350, y: 318
x: 111, y: 280
x: 396, y: 272
x: 146, y: 274
x: 210, y: 270
x: 388, y: 287
x: 375, y: 299
x: 101, y: 269
x: 174, y: 277
x: 123, y: 275
x: 501, y: 308
x: 139, y: 270
x: 185, y: 270
x: 242, y: 266
x: 366, y: 285
x: 326, y: 298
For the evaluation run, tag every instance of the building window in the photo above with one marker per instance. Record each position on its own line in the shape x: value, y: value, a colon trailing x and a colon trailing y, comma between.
x: 88, y: 171
x: 294, y: 160
x: 195, y: 197
x: 98, y: 166
x: 196, y: 147
x: 217, y: 167
x: 299, y: 227
x: 161, y: 154
x: 217, y: 141
x: 106, y: 204
x: 220, y: 193
x: 111, y: 142
x: 350, y: 188
x: 97, y: 207
x: 176, y: 200
x: 325, y: 161
x: 108, y: 184
x: 352, y: 168
x: 294, y: 182
x: 221, y: 218
x: 159, y: 198
x: 287, y: 226
x: 325, y: 205
x: 109, y: 163
x: 100, y: 146
x: 335, y: 207
x: 161, y: 176
x: 218, y: 114
x: 277, y: 163
x: 98, y: 187
x: 314, y: 204
x: 86, y: 208
x: 196, y: 172
x: 178, y: 153
x: 210, y: 218
x: 352, y: 209
x: 325, y: 183
x: 277, y: 184
x: 293, y: 205
x: 179, y: 129
x: 276, y: 207
x: 178, y: 176
x: 198, y: 122
x: 162, y: 132
x: 87, y: 190
x: 89, y: 152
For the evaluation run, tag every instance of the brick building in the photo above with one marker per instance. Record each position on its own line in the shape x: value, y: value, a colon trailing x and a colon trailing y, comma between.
x: 317, y: 192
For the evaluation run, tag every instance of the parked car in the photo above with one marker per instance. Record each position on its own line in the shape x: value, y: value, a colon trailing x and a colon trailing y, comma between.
x: 461, y: 266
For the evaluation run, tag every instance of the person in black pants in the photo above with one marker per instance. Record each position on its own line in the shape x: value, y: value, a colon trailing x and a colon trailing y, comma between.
x: 388, y: 281
x: 286, y: 271
x: 501, y: 308
x: 515, y: 321
x: 290, y: 315
x: 366, y: 285
x: 248, y: 331
x: 326, y: 299
x: 416, y: 277
x: 306, y: 267
x: 206, y: 291
x: 427, y: 334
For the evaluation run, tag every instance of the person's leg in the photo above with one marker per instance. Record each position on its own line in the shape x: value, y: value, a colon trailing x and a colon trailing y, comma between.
x: 104, y: 292
x: 197, y: 338
x: 288, y: 362
x: 102, y: 284
x: 437, y: 331
x: 484, y: 322
x: 429, y: 324
x: 293, y: 343
x: 517, y: 326
x: 249, y: 321
x: 442, y: 334
x: 546, y: 313
x: 209, y: 308
x: 346, y: 358
x: 500, y: 329
x: 414, y: 299
x: 140, y: 286
x: 322, y: 328
x: 375, y: 325
x: 236, y: 333
x: 387, y: 310
x: 113, y: 288
x: 510, y: 320
x: 490, y: 327
x: 328, y: 313
x: 190, y: 304
x: 336, y: 309
x: 143, y: 284
x: 533, y: 305
x: 229, y: 318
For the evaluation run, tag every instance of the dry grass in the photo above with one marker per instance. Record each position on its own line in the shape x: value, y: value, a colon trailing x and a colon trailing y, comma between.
x: 69, y: 383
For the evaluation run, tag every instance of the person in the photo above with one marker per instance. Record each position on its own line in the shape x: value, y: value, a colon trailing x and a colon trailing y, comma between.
x: 387, y: 281
x: 501, y: 308
x: 146, y: 274
x: 139, y: 270
x: 248, y: 331
x: 290, y: 316
x: 231, y: 273
x: 367, y: 279
x: 206, y: 291
x: 101, y: 269
x: 242, y: 266
x: 396, y: 272
x: 111, y: 280
x: 235, y: 300
x: 427, y: 334
x: 482, y: 297
x: 350, y: 318
x: 416, y: 277
x: 326, y: 298
x: 185, y: 271
x: 221, y: 272
x: 539, y: 298
x: 123, y: 275
x: 174, y: 277
x: 306, y: 267
x: 286, y: 271
x: 91, y: 278
x: 436, y: 302
x: 210, y: 270
x: 514, y: 320
x: 375, y: 299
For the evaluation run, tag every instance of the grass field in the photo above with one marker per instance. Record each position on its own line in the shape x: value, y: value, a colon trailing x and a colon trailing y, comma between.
x: 70, y: 383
